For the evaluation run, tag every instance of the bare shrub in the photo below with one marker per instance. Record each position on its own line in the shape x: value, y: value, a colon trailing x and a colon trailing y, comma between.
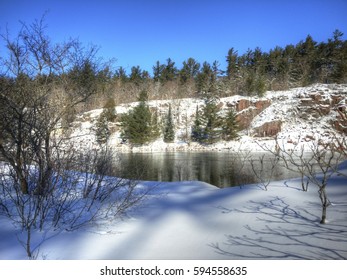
x: 316, y: 162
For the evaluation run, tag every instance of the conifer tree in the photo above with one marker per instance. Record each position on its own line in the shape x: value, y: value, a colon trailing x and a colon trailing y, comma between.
x: 157, y: 71
x: 155, y: 133
x: 137, y: 124
x: 189, y: 70
x: 102, y: 131
x: 207, y: 126
x: 197, y: 130
x: 203, y: 79
x: 212, y: 122
x: 108, y: 114
x: 230, y: 126
x: 109, y: 110
x: 169, y: 71
x: 232, y: 66
x: 169, y: 132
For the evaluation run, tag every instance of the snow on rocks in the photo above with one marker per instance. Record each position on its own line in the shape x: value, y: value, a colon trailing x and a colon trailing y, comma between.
x: 305, y: 113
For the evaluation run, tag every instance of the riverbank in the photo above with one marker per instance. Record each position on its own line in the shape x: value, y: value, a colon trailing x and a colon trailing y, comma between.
x: 243, y: 144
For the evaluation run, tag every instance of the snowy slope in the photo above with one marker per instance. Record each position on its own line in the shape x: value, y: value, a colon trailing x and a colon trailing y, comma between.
x: 194, y: 220
x: 298, y: 120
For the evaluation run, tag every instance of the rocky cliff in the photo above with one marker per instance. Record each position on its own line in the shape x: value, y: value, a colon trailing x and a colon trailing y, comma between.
x: 308, y: 113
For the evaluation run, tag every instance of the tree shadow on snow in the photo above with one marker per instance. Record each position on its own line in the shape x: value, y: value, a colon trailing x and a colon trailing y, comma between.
x: 285, y: 233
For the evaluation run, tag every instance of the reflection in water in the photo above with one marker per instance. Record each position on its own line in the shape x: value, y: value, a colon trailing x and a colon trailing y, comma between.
x: 222, y: 169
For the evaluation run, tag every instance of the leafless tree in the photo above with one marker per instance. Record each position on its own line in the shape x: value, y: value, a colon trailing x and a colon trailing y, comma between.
x: 263, y: 169
x: 80, y: 192
x: 46, y: 183
x: 316, y: 162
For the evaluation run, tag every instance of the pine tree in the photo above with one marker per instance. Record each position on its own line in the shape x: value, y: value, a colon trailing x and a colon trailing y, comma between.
x: 155, y: 127
x: 259, y: 85
x: 169, y: 71
x: 169, y: 132
x: 189, y: 70
x: 102, y: 131
x: 207, y: 126
x: 212, y: 122
x: 137, y: 125
x: 108, y: 114
x: 203, y: 79
x: 230, y: 126
x: 197, y: 130
x: 109, y: 110
x: 232, y: 66
x: 157, y: 71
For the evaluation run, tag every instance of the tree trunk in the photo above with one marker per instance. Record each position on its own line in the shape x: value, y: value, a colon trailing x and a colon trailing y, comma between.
x: 24, y: 185
x: 28, y: 243
x: 324, y: 214
x: 325, y: 203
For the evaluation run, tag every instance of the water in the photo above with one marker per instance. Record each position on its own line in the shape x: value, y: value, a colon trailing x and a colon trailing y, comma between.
x: 222, y: 169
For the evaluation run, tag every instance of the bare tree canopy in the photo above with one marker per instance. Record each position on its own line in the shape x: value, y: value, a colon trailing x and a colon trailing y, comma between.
x: 45, y: 182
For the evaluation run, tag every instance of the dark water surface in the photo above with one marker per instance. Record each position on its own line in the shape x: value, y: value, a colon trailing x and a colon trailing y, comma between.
x: 222, y: 169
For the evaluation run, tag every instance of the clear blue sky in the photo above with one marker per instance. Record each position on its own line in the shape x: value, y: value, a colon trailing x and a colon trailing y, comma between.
x: 138, y: 32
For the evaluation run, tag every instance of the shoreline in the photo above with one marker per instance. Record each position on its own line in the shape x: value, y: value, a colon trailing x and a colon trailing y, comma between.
x: 245, y: 144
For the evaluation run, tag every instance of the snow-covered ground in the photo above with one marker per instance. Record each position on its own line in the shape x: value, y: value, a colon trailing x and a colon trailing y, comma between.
x: 194, y: 220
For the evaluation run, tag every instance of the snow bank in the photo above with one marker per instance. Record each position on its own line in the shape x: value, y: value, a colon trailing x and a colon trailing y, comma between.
x: 194, y: 220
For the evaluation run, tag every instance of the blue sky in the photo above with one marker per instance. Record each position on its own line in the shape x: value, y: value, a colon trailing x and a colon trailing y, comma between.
x: 138, y: 32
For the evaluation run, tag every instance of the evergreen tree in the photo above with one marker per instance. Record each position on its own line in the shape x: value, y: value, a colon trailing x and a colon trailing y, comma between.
x: 197, y: 129
x: 230, y: 126
x: 169, y: 71
x: 232, y: 67
x: 338, y: 58
x: 155, y: 133
x: 204, y: 79
x: 169, y: 132
x: 121, y: 74
x: 102, y: 131
x: 137, y: 75
x: 137, y: 124
x: 189, y: 70
x: 157, y: 71
x: 108, y: 114
x: 109, y: 110
x: 207, y: 126
x: 304, y: 61
x: 212, y: 122
x: 259, y: 85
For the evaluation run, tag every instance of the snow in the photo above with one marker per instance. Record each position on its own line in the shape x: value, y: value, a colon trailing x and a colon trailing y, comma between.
x: 195, y: 220
x: 284, y: 107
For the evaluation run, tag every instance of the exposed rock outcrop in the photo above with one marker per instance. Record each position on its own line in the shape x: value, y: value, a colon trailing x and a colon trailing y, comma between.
x: 268, y: 129
x: 316, y: 111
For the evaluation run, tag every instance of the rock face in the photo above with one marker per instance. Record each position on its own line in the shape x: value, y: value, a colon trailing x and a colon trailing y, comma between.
x: 340, y: 124
x: 316, y: 105
x: 316, y: 111
x: 268, y: 129
x: 247, y: 109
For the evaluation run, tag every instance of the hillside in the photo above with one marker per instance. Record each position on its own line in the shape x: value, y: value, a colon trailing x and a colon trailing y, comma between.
x: 309, y: 113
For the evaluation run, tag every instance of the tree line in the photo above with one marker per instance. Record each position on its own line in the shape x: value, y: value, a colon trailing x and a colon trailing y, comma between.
x: 140, y: 125
x: 251, y: 73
